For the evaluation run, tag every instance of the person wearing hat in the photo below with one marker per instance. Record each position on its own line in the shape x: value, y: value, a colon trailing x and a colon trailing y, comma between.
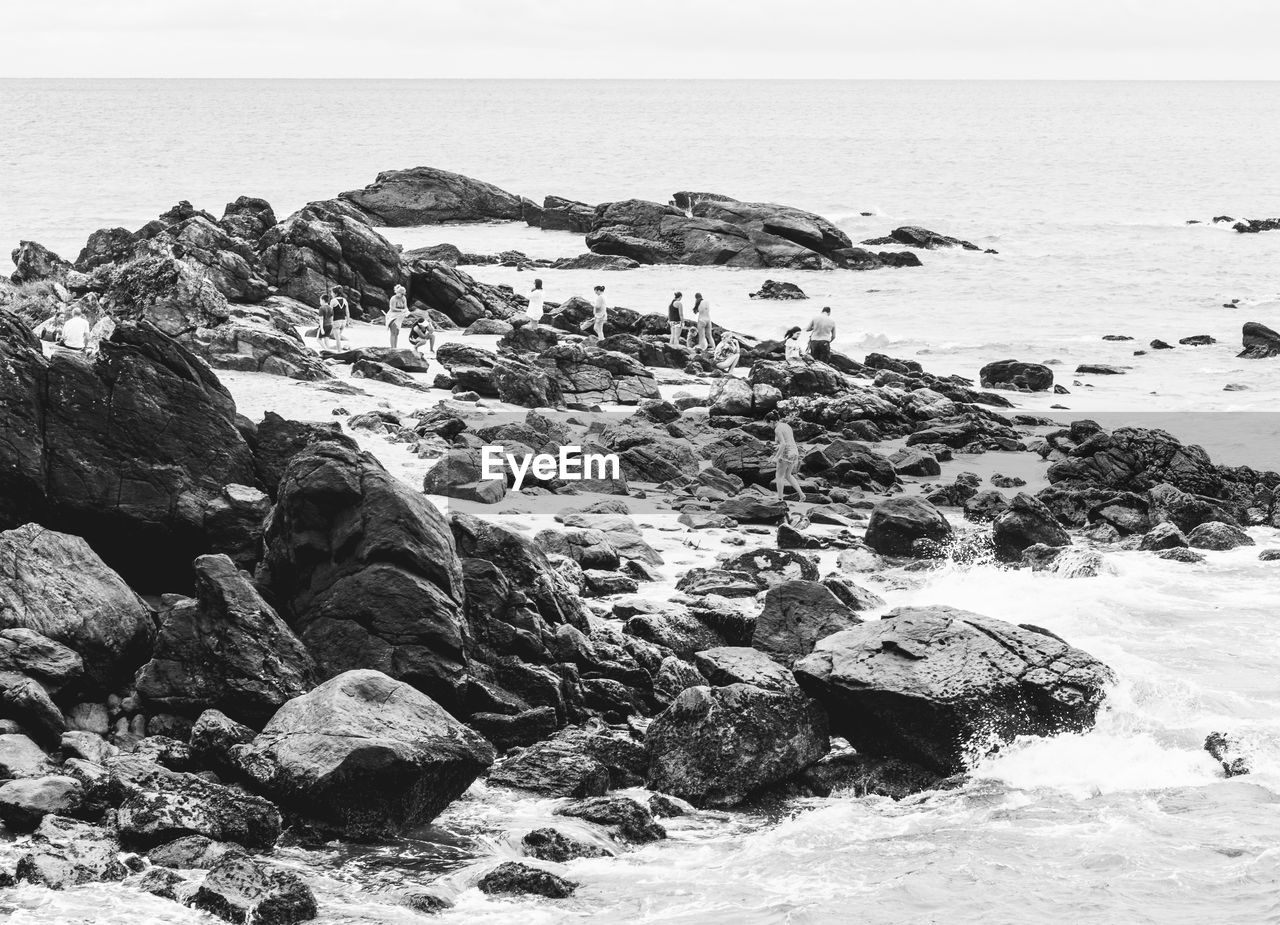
x: 397, y: 308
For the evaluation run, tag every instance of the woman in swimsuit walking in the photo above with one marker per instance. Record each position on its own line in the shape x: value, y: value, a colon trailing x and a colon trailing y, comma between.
x: 786, y: 458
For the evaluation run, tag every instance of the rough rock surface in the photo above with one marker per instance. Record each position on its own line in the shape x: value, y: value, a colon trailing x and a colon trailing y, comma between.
x: 902, y: 526
x: 430, y: 196
x: 941, y: 686
x: 365, y: 755
x: 242, y: 889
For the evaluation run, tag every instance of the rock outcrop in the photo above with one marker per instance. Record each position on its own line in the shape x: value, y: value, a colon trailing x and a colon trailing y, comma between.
x: 1260, y: 342
x: 1005, y: 374
x: 430, y: 196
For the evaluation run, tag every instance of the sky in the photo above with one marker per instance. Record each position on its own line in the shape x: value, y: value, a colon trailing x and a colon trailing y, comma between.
x: 924, y: 39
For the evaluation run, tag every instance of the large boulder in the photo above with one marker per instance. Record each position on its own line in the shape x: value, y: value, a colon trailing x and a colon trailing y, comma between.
x: 130, y: 450
x: 248, y: 217
x: 941, y: 686
x: 65, y: 853
x: 34, y: 262
x: 1026, y: 522
x: 430, y: 196
x: 1260, y: 342
x: 1134, y: 459
x: 560, y: 214
x: 906, y: 526
x: 226, y: 650
x: 365, y: 755
x: 324, y: 245
x: 436, y: 285
x: 57, y: 586
x: 365, y: 571
x: 239, y: 888
x: 590, y: 376
x: 796, y: 615
x: 1031, y: 377
x: 229, y: 262
x: 716, y: 746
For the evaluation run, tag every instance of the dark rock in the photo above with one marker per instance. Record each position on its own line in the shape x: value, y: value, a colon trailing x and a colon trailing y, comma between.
x: 796, y: 615
x: 560, y: 214
x: 754, y: 510
x: 937, y: 685
x: 457, y: 295
x: 595, y: 262
x: 1227, y: 750
x: 1260, y: 342
x: 517, y: 730
x: 27, y: 702
x: 1180, y: 554
x: 514, y: 877
x: 1163, y: 536
x: 1034, y: 377
x: 898, y: 525
x: 1255, y: 225
x: 226, y: 650
x: 1099, y: 369
x: 1198, y: 340
x: 34, y: 262
x: 912, y: 462
x: 365, y: 755
x: 553, y: 845
x: 27, y: 652
x: 631, y: 820
x: 242, y: 889
x: 915, y: 236
x: 65, y: 853
x: 1160, y: 345
x: 773, y: 289
x: 366, y: 573
x: 430, y: 196
x: 249, y: 218
x: 1218, y: 536
x: 24, y: 802
x: 1024, y: 523
x: 190, y: 852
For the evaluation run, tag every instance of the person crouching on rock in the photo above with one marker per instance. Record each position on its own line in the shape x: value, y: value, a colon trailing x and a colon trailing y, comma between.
x: 823, y: 328
x: 341, y: 312
x: 675, y: 318
x: 423, y: 332
x: 793, y: 350
x: 786, y: 458
x: 726, y: 355
x: 397, y: 308
x: 599, y: 314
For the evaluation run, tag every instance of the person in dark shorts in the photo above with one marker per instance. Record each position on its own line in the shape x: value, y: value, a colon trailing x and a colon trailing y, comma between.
x: 675, y: 318
x: 822, y: 332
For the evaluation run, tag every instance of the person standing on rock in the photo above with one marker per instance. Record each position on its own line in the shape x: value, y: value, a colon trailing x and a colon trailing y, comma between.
x: 822, y: 332
x: 675, y: 318
x: 397, y: 308
x: 341, y: 315
x: 793, y: 350
x: 702, y: 308
x: 536, y: 298
x: 599, y: 314
x: 786, y: 458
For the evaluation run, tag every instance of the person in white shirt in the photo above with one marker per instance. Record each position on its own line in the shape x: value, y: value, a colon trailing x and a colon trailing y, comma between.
x: 793, y: 351
x: 599, y: 314
x: 75, y: 333
x: 536, y: 298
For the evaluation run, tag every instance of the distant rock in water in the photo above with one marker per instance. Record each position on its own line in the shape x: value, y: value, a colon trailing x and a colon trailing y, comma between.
x: 772, y: 289
x: 1254, y: 225
x: 560, y: 214
x: 594, y: 262
x: 430, y: 196
x: 1260, y: 342
x: 1034, y: 377
x: 915, y: 236
x: 1225, y: 748
x: 1099, y: 369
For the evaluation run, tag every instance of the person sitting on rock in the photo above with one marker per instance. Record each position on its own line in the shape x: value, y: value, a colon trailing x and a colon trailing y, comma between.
x: 423, y: 332
x: 786, y: 458
x: 675, y: 318
x: 397, y: 308
x: 324, y: 330
x: 793, y: 350
x: 702, y: 311
x: 75, y: 333
x: 823, y: 328
x: 726, y: 355
x: 341, y: 316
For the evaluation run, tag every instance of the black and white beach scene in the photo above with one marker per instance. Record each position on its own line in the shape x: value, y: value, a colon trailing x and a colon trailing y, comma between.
x: 691, y: 463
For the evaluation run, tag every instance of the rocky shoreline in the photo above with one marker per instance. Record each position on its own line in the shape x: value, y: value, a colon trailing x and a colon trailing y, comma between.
x: 222, y: 637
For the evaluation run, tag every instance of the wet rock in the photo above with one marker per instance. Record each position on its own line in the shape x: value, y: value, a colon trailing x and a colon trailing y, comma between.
x: 65, y: 853
x: 165, y: 883
x: 773, y: 289
x: 227, y: 650
x: 1185, y: 510
x: 1218, y: 536
x: 1255, y: 225
x: 430, y: 196
x: 507, y: 731
x: 1260, y: 342
x: 1099, y: 369
x: 34, y: 262
x: 1162, y: 536
x: 849, y: 772
x: 900, y: 526
x: 457, y: 295
x: 365, y: 571
x: 560, y: 214
x: 158, y: 805
x: 549, y: 844
x: 664, y: 806
x: 594, y: 262
x: 632, y: 821
x: 426, y: 902
x: 1269, y: 555
x: 1032, y: 377
x: 190, y: 852
x: 1181, y: 554
x: 514, y: 877
x: 715, y: 746
x: 23, y: 803
x: 246, y: 890
x: 1227, y: 750
x: 214, y: 735
x: 937, y: 686
x: 364, y: 754
x: 20, y: 757
x: 796, y: 615
x: 1026, y: 522
x: 1198, y: 340
x: 915, y: 236
x: 552, y: 768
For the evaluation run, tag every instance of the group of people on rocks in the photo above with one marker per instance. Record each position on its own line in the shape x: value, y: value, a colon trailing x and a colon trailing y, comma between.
x: 335, y: 316
x: 70, y: 329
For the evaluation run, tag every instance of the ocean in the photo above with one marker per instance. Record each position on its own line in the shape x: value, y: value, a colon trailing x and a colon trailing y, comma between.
x: 1085, y: 190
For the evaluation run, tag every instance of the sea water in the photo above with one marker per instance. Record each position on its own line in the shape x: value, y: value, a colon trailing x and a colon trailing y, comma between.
x: 1084, y: 189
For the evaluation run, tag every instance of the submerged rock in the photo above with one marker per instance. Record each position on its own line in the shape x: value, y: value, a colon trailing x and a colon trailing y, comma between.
x: 65, y: 853
x: 1026, y: 522
x: 514, y: 877
x: 1034, y: 377
x: 940, y: 686
x: 549, y: 844
x: 245, y: 890
x: 904, y: 526
x: 1260, y: 342
x: 365, y: 755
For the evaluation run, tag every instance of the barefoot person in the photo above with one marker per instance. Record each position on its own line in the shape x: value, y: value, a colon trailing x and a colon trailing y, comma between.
x: 422, y: 332
x: 324, y: 330
x: 793, y: 350
x: 341, y: 316
x: 786, y: 458
x: 726, y: 355
x: 702, y: 308
x: 675, y: 318
x: 397, y: 308
x: 536, y: 297
x: 822, y: 332
x: 599, y: 314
